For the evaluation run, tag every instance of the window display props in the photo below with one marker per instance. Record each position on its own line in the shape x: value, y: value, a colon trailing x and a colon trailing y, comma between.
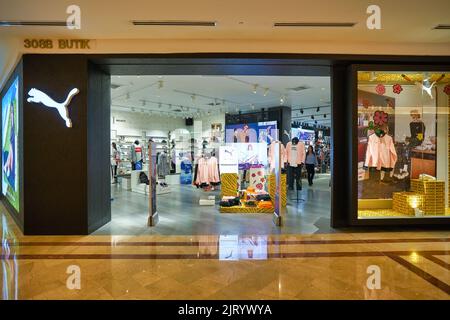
x: 10, y: 137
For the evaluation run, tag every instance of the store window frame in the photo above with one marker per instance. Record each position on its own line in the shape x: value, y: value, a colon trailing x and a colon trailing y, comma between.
x: 353, y: 99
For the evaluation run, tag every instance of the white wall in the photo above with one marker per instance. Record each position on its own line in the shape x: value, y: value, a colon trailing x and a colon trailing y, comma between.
x: 136, y: 122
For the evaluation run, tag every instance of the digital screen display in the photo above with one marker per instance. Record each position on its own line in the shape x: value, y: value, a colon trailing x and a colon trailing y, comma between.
x: 251, y: 132
x: 10, y: 159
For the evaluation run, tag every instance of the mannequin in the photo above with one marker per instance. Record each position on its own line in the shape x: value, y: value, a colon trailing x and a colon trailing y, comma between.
x: 295, y: 156
x: 136, y: 155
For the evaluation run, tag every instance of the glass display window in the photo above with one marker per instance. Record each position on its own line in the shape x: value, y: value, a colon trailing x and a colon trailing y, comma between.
x: 403, y: 144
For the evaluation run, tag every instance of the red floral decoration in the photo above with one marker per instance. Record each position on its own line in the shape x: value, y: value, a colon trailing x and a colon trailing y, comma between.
x: 380, y: 89
x: 380, y: 118
x: 259, y: 186
x: 447, y: 89
x: 396, y: 88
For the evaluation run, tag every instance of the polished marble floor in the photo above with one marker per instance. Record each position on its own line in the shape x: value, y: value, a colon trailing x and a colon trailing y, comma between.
x: 412, y: 265
x: 181, y: 214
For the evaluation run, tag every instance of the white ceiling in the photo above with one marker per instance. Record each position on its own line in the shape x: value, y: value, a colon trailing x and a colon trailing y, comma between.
x: 195, y: 96
x: 403, y: 21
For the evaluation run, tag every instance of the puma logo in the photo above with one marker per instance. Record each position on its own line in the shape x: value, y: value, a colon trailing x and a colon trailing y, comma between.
x: 37, y: 96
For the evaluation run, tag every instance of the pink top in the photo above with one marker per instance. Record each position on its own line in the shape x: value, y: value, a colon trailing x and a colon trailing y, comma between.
x: 207, y: 171
x: 301, y: 153
x: 380, y: 152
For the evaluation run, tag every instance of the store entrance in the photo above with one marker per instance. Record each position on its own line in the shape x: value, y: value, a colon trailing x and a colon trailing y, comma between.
x: 195, y: 122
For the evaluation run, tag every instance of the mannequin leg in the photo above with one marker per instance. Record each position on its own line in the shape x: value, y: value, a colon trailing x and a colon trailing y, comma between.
x: 290, y: 176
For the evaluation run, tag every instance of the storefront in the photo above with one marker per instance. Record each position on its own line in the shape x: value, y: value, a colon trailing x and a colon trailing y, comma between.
x: 56, y: 168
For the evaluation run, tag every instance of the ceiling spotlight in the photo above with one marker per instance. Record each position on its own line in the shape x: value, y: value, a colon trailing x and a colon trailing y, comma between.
x: 324, y: 115
x: 301, y: 110
x: 255, y: 88
x: 281, y: 99
x: 318, y: 109
x: 312, y: 117
x: 160, y: 84
x: 266, y: 91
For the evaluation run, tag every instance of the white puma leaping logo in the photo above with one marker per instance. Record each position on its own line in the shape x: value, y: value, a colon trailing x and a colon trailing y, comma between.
x: 37, y: 96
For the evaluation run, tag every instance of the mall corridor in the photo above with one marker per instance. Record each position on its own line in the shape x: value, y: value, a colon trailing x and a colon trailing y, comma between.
x: 413, y: 265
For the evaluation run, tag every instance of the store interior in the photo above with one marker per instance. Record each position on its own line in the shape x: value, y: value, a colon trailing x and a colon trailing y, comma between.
x: 217, y: 142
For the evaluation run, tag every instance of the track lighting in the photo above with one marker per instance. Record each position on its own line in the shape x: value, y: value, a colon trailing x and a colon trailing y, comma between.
x: 312, y: 117
x: 318, y: 109
x: 301, y: 111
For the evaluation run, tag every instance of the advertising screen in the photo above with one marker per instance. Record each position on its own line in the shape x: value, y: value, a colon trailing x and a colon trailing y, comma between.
x: 10, y: 161
x: 251, y: 132
x: 307, y: 136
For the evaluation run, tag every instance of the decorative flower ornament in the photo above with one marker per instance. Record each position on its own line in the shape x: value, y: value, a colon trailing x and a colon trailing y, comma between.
x: 447, y: 89
x: 380, y: 118
x: 380, y: 89
x: 397, y: 88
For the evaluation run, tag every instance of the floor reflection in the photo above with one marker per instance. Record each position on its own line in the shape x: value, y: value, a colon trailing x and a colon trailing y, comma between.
x: 234, y: 247
x: 10, y: 265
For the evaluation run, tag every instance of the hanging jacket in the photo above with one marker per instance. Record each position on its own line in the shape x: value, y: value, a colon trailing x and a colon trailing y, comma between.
x: 301, y: 153
x: 163, y: 165
x: 213, y: 170
x: 202, y: 171
x: 380, y: 152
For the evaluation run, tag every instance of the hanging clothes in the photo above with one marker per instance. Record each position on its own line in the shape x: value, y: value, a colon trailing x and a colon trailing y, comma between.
x: 202, y: 172
x: 380, y: 153
x: 163, y: 165
x: 213, y: 170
